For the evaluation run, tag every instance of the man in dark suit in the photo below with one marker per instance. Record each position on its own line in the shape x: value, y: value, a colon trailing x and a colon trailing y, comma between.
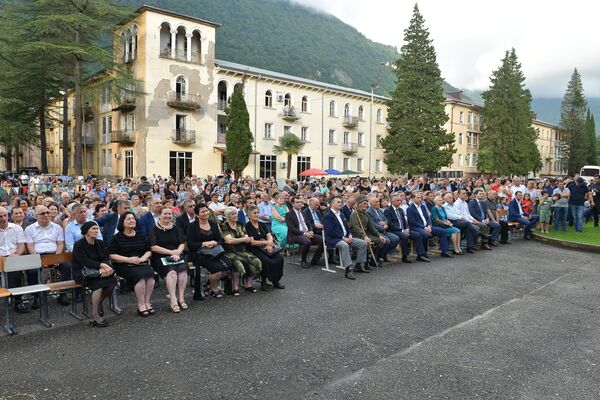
x: 349, y: 207
x: 516, y: 214
x: 247, y: 201
x: 187, y: 217
x: 110, y: 220
x: 314, y: 216
x: 420, y: 222
x: 478, y: 209
x: 381, y: 223
x: 299, y: 233
x: 149, y: 219
x: 398, y: 225
x: 337, y: 234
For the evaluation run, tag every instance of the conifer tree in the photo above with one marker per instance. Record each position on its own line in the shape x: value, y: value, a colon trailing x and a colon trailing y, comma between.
x: 573, y: 125
x: 239, y: 136
x: 417, y: 141
x: 591, y: 133
x: 507, y: 144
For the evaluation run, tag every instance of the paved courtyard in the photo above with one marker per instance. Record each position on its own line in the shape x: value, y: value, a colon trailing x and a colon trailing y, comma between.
x: 520, y: 322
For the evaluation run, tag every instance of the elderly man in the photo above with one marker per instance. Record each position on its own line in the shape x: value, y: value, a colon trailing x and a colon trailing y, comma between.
x: 46, y: 237
x: 73, y: 230
x: 362, y: 227
x: 492, y: 211
x: 479, y: 211
x: 517, y: 186
x: 12, y: 243
x: 187, y: 217
x: 561, y: 206
x: 149, y: 219
x: 516, y: 214
x: 463, y: 207
x: 380, y: 221
x: 398, y: 225
x: 299, y: 233
x: 468, y: 230
x: 420, y: 222
x: 349, y: 206
x: 314, y: 215
x: 264, y: 211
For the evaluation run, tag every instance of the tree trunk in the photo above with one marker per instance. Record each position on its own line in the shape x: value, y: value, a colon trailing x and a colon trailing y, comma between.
x: 78, y: 112
x: 17, y: 159
x: 8, y: 158
x: 65, y: 146
x: 289, y: 166
x: 43, y: 154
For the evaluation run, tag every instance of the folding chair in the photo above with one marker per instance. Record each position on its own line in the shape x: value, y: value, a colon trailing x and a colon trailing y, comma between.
x: 326, y: 255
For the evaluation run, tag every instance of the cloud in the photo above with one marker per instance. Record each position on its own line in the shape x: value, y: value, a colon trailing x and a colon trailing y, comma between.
x: 551, y: 37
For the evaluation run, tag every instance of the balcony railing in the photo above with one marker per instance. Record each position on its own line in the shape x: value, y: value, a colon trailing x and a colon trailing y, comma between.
x: 183, y: 100
x: 125, y: 104
x: 222, y: 104
x: 349, y: 148
x: 87, y: 140
x: 289, y: 114
x: 123, y: 136
x: 183, y: 136
x: 350, y: 121
x: 180, y: 54
x: 222, y: 138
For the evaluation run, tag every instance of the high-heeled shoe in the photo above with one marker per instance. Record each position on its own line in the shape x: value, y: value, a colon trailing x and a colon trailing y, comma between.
x: 144, y: 313
x: 99, y: 324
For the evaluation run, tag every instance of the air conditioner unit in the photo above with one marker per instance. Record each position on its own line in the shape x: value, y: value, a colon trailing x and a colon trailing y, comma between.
x: 118, y: 156
x: 283, y: 164
x: 279, y: 97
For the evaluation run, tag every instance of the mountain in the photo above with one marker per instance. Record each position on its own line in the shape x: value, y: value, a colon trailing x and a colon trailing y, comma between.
x: 548, y: 109
x: 293, y: 39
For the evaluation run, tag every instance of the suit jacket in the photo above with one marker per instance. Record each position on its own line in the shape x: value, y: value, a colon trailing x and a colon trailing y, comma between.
x: 109, y: 222
x: 310, y: 221
x: 476, y: 212
x: 182, y: 222
x: 332, y: 229
x: 513, y: 211
x: 242, y: 217
x: 414, y: 219
x: 346, y: 211
x: 291, y: 220
x: 393, y: 223
x: 376, y: 217
x: 146, y: 224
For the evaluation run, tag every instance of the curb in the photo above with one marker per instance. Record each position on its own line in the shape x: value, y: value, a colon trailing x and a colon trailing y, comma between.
x: 590, y: 248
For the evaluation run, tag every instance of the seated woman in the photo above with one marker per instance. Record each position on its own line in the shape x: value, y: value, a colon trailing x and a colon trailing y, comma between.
x: 202, y: 236
x: 167, y: 244
x: 129, y: 251
x: 278, y: 225
x: 262, y: 246
x: 439, y: 219
x: 236, y: 241
x: 89, y: 252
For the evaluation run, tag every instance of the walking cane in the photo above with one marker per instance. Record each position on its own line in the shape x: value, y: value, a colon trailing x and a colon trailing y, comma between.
x: 370, y: 245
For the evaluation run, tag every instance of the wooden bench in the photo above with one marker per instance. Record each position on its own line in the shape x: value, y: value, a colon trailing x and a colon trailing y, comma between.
x: 53, y: 260
x: 515, y: 229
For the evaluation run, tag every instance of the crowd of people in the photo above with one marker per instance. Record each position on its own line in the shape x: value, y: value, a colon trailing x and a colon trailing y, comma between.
x: 240, y: 230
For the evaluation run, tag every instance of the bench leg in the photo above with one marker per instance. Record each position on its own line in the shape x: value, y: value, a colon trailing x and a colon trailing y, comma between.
x: 114, y: 303
x: 84, y: 303
x: 8, y: 324
x: 74, y: 311
x: 44, y: 311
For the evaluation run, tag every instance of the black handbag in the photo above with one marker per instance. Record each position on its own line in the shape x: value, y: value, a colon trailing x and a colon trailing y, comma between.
x: 213, y: 252
x: 89, y: 273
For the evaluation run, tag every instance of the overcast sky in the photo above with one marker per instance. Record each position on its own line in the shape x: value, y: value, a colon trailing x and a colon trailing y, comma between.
x: 470, y: 37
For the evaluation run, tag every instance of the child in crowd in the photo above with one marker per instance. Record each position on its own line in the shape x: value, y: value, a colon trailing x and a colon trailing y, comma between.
x: 526, y: 203
x: 503, y: 209
x: 545, y: 211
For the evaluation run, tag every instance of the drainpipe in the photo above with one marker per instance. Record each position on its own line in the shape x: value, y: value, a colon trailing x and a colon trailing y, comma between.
x: 256, y: 120
x: 323, y: 129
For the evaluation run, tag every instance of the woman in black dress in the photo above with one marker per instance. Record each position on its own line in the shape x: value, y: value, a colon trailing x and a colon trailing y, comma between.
x: 130, y: 252
x: 167, y: 244
x: 204, y: 234
x: 261, y: 245
x: 89, y: 252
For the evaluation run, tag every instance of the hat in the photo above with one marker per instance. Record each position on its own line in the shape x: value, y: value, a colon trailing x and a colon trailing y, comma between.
x: 580, y: 180
x: 86, y: 227
x: 361, y: 198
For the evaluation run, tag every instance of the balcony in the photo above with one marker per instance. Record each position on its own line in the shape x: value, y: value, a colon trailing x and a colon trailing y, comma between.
x: 88, y: 141
x: 183, y: 136
x: 179, y: 55
x: 125, y: 104
x: 126, y: 136
x: 350, y: 121
x: 289, y: 114
x: 350, y: 148
x: 184, y: 101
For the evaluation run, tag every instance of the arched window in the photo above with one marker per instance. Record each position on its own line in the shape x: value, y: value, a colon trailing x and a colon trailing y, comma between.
x: 268, y: 98
x: 304, y: 103
x: 347, y: 110
x: 379, y: 116
x: 287, y: 100
x: 181, y: 44
x: 196, y: 47
x: 133, y: 43
x: 361, y: 113
x: 222, y: 95
x: 332, y: 108
x: 180, y: 85
x: 165, y: 40
x: 124, y: 47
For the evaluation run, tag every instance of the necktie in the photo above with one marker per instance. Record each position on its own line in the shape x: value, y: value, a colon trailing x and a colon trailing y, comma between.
x: 303, y: 227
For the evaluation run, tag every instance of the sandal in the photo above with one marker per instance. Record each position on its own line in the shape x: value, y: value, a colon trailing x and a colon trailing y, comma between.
x: 144, y: 313
x: 151, y: 311
x: 216, y: 295
x: 183, y: 306
x: 235, y: 292
x: 250, y: 289
x: 175, y: 308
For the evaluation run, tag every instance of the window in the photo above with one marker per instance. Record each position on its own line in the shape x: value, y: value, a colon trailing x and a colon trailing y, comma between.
x: 332, y: 108
x: 361, y: 139
x: 287, y: 129
x: 128, y: 163
x: 304, y: 134
x: 346, y: 137
x: 346, y: 163
x: 103, y: 134
x: 475, y: 139
x: 377, y: 165
x: 268, y: 99
x: 269, y: 131
x: 469, y: 135
x: 287, y: 100
x: 180, y: 85
x: 331, y: 162
x: 474, y: 160
x: 379, y: 116
x: 468, y: 159
x: 268, y: 167
x: 347, y: 110
x: 180, y: 123
x: 461, y: 117
x: 361, y: 113
x: 108, y: 128
x: 378, y: 141
x: 359, y: 165
x: 302, y: 164
x: 460, y: 159
x: 180, y: 164
x: 331, y: 136
x: 460, y: 138
x: 470, y: 119
x: 304, y: 104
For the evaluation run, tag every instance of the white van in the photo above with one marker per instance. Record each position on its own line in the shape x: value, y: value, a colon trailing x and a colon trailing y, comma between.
x: 588, y: 171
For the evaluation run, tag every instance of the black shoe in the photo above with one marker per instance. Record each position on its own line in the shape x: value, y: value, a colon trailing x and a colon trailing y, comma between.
x: 423, y: 258
x: 486, y: 246
x: 406, y: 260
x: 458, y: 253
x: 447, y: 255
x: 62, y: 300
x: 362, y: 267
x: 385, y: 258
x: 35, y: 304
x: 348, y: 274
x: 470, y: 250
x: 505, y: 242
x: 317, y: 263
x: 263, y: 285
x: 278, y: 285
x: 101, y: 324
x: 21, y: 308
x: 367, y: 267
x: 303, y: 264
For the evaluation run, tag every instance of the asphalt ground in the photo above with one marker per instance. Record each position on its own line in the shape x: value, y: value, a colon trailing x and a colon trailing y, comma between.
x: 519, y: 322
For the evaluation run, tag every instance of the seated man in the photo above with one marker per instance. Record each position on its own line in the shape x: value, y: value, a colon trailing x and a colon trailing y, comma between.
x: 398, y: 225
x: 314, y: 215
x: 12, y: 243
x: 420, y: 222
x: 380, y: 222
x: 73, y: 230
x: 467, y: 229
x: 363, y: 227
x: 516, y: 214
x: 462, y: 205
x: 298, y: 233
x: 337, y: 234
x: 479, y: 211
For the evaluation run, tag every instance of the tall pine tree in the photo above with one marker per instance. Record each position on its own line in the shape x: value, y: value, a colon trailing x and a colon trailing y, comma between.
x: 507, y: 145
x: 239, y: 137
x: 573, y: 126
x: 590, y: 126
x: 417, y: 141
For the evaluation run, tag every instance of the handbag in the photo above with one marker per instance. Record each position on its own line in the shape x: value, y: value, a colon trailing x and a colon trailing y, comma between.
x: 89, y: 273
x: 166, y: 261
x: 213, y: 252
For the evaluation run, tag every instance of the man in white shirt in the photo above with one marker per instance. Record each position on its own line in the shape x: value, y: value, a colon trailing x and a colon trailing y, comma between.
x: 46, y: 237
x: 12, y: 243
x: 463, y: 207
x: 517, y: 186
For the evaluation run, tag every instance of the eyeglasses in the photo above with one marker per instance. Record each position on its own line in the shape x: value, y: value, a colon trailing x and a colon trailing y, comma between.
x: 44, y: 213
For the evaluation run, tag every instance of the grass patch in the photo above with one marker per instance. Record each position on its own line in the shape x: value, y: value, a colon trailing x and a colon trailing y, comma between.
x: 590, y: 235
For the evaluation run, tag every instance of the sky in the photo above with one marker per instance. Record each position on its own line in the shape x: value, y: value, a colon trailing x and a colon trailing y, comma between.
x: 551, y: 37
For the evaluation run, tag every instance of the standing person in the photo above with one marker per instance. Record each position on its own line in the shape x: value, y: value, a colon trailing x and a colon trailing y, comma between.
x: 595, y: 189
x: 89, y: 252
x: 516, y: 214
x: 561, y: 206
x: 579, y: 194
x: 544, y: 211
x: 298, y: 233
